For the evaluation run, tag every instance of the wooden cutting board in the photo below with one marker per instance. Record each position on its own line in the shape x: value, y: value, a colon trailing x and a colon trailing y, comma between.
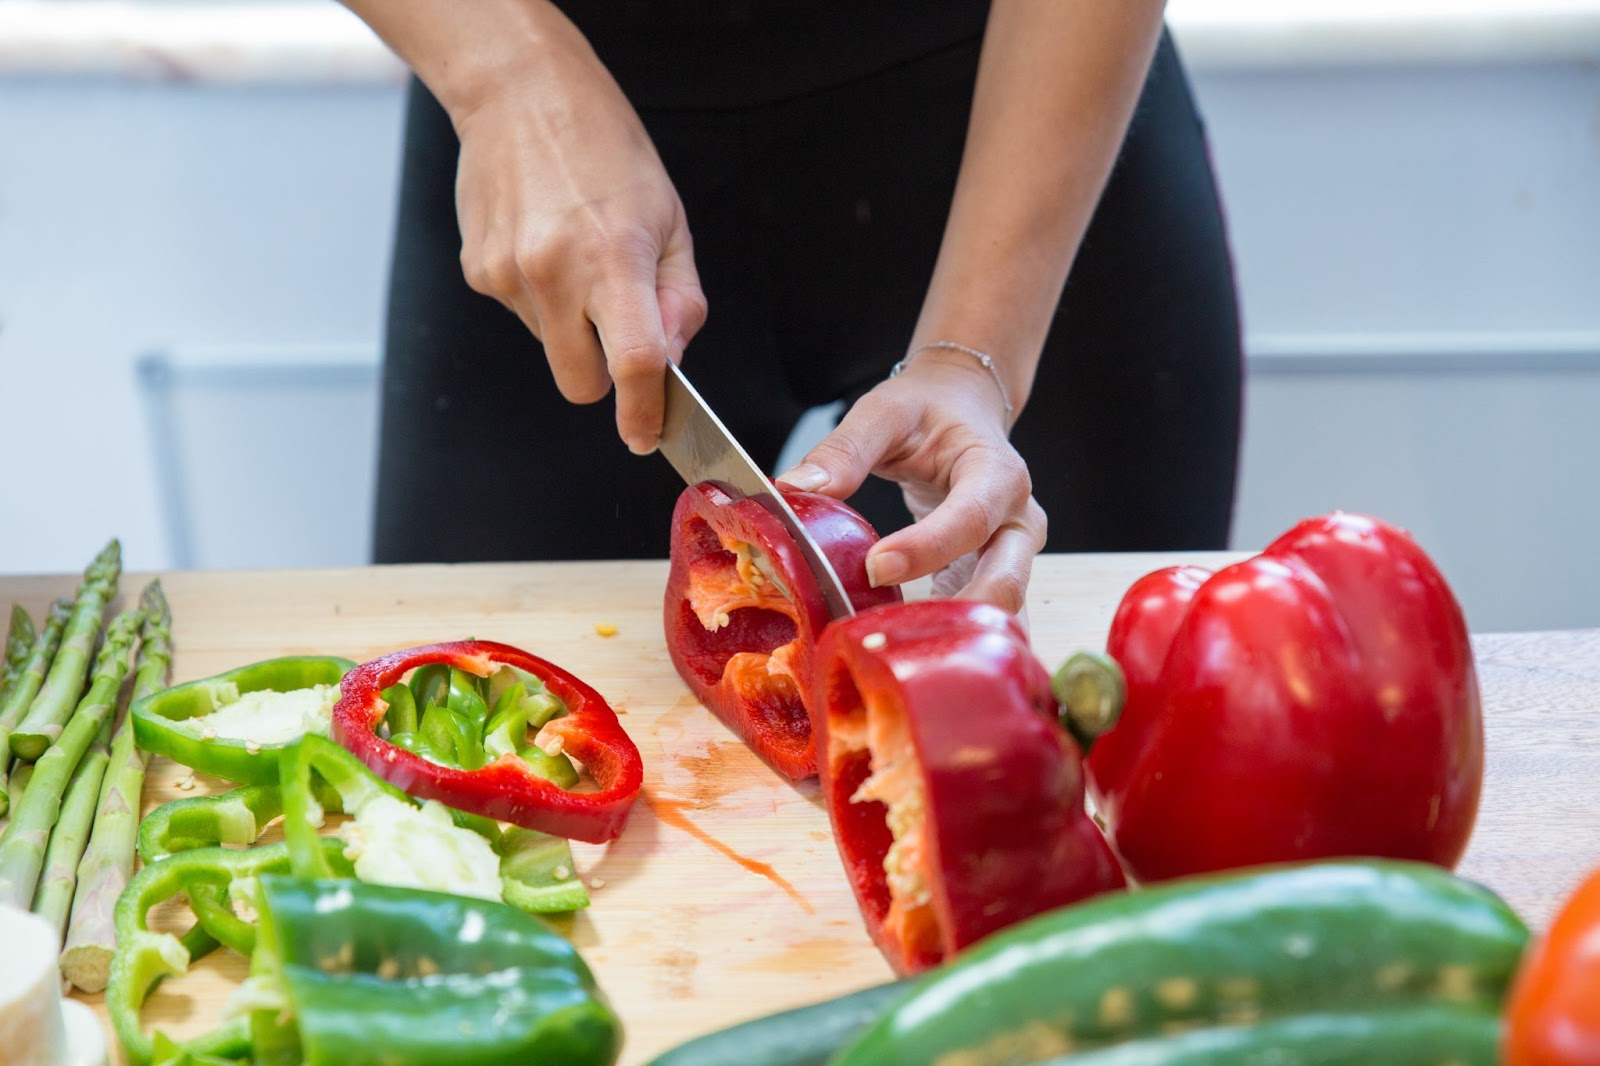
x: 724, y: 899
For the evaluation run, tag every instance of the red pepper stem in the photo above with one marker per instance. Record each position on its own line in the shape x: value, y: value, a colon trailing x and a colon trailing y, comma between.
x: 1091, y: 690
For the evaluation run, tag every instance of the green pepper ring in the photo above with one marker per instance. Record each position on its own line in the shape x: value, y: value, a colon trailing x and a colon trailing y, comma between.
x: 157, y: 718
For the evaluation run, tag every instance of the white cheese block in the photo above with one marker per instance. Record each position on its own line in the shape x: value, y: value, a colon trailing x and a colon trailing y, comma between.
x: 36, y: 1027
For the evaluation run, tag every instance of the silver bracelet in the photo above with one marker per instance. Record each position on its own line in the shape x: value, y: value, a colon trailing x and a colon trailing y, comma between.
x: 981, y: 357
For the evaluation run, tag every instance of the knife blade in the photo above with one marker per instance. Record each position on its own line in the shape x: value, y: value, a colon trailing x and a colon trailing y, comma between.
x: 700, y: 448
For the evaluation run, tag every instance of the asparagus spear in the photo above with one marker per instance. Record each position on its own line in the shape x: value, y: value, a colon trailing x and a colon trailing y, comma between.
x: 19, y: 783
x: 108, y: 861
x: 51, y: 708
x: 19, y: 641
x: 22, y: 851
x: 52, y: 901
x: 27, y: 684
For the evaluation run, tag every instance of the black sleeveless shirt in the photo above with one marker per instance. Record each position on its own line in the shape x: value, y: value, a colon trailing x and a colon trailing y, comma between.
x: 742, y: 53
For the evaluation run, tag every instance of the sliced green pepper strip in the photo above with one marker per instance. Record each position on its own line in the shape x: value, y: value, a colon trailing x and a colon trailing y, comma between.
x: 536, y: 870
x: 557, y: 769
x: 378, y: 974
x: 305, y: 761
x: 536, y: 703
x: 164, y: 723
x: 222, y: 1047
x: 467, y: 700
x: 401, y: 717
x: 430, y: 684
x: 144, y: 957
x: 234, y: 817
x: 452, y: 734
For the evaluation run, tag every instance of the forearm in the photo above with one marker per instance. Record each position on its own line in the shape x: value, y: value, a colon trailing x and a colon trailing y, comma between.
x: 1057, y: 83
x: 462, y: 51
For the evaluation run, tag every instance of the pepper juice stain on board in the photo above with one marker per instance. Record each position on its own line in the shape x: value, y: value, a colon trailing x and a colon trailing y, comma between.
x: 707, y: 776
x: 674, y: 970
x: 670, y: 812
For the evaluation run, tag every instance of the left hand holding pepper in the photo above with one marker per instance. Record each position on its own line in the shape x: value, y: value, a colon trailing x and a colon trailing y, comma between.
x: 939, y: 429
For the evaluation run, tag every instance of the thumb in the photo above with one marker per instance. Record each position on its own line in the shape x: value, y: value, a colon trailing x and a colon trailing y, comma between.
x: 841, y: 461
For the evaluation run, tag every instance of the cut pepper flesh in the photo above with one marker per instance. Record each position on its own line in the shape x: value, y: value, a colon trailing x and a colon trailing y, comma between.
x: 956, y: 800
x: 880, y: 732
x: 743, y: 611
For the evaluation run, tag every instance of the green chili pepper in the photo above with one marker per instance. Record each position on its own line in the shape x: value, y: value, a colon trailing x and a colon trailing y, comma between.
x: 172, y: 722
x: 144, y: 957
x: 376, y: 974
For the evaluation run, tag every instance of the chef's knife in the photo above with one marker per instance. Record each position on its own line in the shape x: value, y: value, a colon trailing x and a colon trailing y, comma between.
x: 700, y: 448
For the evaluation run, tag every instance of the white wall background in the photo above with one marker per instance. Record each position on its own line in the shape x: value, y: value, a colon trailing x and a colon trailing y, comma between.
x: 1418, y: 244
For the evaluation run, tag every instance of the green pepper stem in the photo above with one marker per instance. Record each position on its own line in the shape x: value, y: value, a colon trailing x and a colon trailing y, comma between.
x: 1091, y: 690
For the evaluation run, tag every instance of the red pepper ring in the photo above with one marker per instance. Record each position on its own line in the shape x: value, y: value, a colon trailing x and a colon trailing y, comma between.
x: 957, y: 801
x: 505, y: 789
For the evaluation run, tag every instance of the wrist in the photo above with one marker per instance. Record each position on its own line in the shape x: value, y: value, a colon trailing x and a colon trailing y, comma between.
x: 966, y: 355
x: 490, y: 47
x: 1013, y: 353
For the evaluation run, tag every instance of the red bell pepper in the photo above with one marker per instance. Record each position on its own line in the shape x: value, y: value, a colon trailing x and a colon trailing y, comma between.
x: 956, y: 800
x: 1317, y: 700
x: 743, y: 611
x: 1553, y: 1014
x: 506, y: 789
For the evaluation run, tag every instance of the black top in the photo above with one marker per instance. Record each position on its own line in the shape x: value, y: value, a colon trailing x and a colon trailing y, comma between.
x: 743, y: 53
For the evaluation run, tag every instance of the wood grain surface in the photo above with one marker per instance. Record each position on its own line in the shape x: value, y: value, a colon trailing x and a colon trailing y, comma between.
x: 724, y: 899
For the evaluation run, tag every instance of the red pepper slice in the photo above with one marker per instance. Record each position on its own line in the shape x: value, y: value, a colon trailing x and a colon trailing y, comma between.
x: 957, y: 802
x: 1553, y: 1013
x: 743, y: 611
x: 505, y: 789
x: 1314, y: 701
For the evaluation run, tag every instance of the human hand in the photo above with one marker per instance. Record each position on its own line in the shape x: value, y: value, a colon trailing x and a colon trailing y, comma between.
x: 939, y: 429
x: 569, y: 219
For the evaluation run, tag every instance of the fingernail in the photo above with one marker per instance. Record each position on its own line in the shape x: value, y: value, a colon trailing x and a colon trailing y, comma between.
x: 805, y: 477
x: 636, y: 449
x: 885, y: 568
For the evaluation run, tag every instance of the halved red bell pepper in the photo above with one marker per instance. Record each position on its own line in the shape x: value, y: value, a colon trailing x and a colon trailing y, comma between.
x: 506, y: 789
x: 1315, y: 701
x: 743, y: 611
x: 956, y: 799
x: 1553, y: 1014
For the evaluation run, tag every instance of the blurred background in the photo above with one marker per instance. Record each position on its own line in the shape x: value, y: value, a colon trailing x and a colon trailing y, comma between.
x: 195, y: 211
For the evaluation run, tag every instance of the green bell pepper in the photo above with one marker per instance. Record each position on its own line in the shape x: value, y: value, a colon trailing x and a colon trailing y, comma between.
x: 174, y: 722
x: 536, y: 871
x: 212, y: 879
x: 358, y: 974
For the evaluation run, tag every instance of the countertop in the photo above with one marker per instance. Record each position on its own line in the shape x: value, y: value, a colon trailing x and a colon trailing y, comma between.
x: 724, y: 899
x: 317, y: 42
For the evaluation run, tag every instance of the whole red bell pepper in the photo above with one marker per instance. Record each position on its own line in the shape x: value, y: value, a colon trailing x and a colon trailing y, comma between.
x: 506, y: 789
x: 1553, y: 1013
x: 743, y: 611
x: 1314, y: 701
x: 956, y: 799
